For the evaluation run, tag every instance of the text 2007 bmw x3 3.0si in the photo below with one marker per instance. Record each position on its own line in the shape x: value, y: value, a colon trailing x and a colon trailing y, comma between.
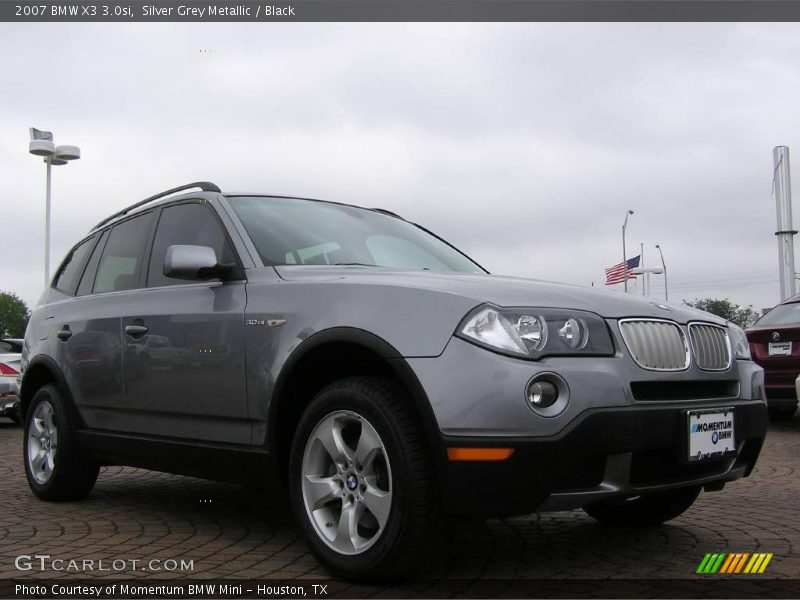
x: 382, y: 376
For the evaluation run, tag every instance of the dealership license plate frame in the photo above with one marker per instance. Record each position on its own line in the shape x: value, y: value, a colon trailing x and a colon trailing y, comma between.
x: 785, y: 349
x: 729, y: 447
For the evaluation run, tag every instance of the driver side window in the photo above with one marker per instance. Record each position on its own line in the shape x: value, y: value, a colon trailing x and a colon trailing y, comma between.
x: 190, y: 224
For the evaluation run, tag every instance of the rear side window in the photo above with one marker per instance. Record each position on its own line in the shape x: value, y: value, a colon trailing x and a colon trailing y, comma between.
x: 66, y: 280
x: 121, y: 261
x: 87, y: 280
x: 186, y: 224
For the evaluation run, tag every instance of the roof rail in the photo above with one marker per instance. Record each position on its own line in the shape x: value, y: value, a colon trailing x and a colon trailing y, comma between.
x: 206, y: 186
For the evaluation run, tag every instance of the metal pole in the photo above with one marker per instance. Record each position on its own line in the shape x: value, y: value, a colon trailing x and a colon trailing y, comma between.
x: 641, y: 264
x: 624, y: 257
x: 47, y: 228
x: 663, y: 264
x: 786, y: 231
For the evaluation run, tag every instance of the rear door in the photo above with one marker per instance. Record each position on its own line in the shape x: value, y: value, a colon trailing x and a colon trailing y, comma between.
x: 87, y: 327
x: 183, y: 341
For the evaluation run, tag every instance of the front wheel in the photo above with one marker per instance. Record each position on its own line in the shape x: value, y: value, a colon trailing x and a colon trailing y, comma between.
x: 53, y: 466
x: 361, y: 481
x: 644, y: 511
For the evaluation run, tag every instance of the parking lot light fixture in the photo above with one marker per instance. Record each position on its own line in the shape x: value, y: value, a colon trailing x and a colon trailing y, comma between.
x: 42, y: 144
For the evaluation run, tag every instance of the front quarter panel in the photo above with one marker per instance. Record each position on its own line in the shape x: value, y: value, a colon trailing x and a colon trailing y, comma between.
x: 281, y: 315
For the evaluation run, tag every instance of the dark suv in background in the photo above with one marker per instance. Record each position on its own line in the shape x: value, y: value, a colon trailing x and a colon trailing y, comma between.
x: 382, y: 376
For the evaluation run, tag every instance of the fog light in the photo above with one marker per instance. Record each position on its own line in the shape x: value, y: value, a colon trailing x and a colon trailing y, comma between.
x: 542, y: 394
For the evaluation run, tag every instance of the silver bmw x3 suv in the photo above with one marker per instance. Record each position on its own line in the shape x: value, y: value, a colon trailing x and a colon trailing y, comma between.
x: 380, y: 375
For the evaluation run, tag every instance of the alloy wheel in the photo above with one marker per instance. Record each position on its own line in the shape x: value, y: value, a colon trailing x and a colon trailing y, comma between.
x: 346, y: 482
x: 42, y: 442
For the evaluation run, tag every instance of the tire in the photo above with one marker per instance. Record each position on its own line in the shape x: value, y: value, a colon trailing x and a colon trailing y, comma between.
x: 54, y: 469
x: 782, y: 414
x: 644, y: 511
x: 391, y: 500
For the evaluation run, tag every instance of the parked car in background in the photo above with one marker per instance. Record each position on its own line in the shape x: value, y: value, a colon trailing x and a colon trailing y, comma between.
x: 775, y: 345
x: 379, y: 373
x: 10, y: 355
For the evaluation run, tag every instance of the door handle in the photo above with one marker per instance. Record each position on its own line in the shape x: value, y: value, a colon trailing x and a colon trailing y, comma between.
x: 64, y: 334
x: 135, y: 331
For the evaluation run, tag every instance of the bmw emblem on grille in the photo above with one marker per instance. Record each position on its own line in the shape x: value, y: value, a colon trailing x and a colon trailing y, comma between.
x: 775, y: 336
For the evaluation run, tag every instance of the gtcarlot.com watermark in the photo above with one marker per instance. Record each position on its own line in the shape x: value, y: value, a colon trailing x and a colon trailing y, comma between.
x: 46, y: 562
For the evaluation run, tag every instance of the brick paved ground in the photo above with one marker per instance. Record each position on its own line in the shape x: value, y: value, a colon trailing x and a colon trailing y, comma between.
x: 232, y: 532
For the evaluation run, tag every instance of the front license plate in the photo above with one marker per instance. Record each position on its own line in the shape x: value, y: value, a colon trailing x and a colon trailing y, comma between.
x: 780, y: 348
x: 710, y: 433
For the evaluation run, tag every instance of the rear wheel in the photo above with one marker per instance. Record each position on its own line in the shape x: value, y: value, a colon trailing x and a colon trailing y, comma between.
x: 54, y: 469
x: 644, y: 511
x: 361, y: 481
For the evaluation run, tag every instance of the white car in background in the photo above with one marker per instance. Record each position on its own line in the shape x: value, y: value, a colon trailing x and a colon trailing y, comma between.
x: 10, y: 356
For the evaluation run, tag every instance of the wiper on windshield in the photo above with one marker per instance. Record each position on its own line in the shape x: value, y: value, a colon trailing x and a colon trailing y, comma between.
x: 357, y: 264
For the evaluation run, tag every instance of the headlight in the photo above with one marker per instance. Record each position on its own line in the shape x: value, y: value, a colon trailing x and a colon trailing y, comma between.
x: 741, y: 349
x: 537, y: 332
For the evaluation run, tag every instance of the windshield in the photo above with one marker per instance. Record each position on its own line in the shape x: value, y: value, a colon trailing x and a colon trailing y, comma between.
x: 290, y: 231
x: 783, y: 314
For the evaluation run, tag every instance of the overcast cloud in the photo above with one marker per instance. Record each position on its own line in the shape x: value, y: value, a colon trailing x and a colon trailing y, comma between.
x: 523, y: 144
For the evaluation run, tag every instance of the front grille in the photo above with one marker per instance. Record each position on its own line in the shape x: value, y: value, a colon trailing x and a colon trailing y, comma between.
x: 655, y: 391
x: 712, y: 350
x: 656, y: 345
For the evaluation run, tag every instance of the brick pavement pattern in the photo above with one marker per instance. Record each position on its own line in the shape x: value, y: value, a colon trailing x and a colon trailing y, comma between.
x: 234, y: 532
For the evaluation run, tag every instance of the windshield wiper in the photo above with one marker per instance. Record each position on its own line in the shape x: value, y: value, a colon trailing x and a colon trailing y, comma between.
x: 352, y: 264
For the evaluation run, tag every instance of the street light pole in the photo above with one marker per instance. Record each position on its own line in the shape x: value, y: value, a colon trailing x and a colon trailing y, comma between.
x: 624, y: 251
x: 47, y: 224
x: 663, y: 264
x: 42, y: 144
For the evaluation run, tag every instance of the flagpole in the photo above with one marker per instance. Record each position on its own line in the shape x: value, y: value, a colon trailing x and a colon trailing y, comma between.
x: 641, y: 265
x: 624, y: 257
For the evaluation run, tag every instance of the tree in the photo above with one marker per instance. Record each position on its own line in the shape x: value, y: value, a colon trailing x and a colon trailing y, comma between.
x: 14, y: 315
x: 743, y: 316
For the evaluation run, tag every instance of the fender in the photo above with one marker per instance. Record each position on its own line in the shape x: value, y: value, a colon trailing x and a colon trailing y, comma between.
x: 42, y: 360
x: 382, y: 348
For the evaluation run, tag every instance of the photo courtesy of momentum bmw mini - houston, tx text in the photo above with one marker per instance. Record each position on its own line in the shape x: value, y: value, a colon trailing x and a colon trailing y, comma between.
x: 377, y: 371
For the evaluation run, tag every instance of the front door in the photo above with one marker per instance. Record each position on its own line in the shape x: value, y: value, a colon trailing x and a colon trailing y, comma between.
x: 183, y: 341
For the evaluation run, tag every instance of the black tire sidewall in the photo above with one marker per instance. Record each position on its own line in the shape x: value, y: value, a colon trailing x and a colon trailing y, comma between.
x: 72, y: 476
x: 379, y: 554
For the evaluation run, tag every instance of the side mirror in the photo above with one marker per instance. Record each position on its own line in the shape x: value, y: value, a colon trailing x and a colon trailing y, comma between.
x: 192, y: 262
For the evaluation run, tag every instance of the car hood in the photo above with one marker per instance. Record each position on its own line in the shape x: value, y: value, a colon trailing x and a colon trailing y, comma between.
x: 502, y: 291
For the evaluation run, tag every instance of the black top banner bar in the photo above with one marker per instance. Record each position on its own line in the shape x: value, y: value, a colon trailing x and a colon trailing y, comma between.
x: 400, y: 10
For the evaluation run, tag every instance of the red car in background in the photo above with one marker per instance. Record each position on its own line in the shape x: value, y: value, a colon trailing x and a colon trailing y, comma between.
x: 775, y: 345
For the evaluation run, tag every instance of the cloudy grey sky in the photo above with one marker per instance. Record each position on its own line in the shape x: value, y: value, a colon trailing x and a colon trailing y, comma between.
x: 523, y: 144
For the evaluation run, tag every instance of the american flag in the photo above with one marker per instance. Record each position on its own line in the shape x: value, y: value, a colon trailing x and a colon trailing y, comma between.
x: 621, y: 272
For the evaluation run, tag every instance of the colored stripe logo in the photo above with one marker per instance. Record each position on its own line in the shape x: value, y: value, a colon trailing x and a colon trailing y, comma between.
x: 734, y: 563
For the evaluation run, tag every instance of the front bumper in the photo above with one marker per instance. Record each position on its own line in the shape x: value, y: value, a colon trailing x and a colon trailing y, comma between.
x: 604, y: 454
x: 622, y: 433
